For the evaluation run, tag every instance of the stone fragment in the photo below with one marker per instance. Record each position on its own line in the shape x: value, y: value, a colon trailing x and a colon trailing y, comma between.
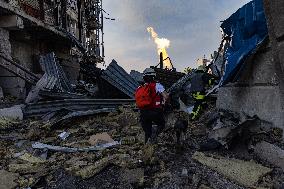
x: 7, y: 179
x: 14, y: 112
x: 31, y: 159
x: 91, y: 170
x: 245, y: 173
x: 26, y: 168
x: 271, y: 153
x: 100, y: 138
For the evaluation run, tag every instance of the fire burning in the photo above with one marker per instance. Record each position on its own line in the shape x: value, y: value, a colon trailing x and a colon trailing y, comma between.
x: 162, y: 45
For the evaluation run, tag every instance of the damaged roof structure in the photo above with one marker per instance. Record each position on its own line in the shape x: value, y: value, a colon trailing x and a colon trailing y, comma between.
x: 33, y: 28
x: 76, y: 125
x: 253, y: 81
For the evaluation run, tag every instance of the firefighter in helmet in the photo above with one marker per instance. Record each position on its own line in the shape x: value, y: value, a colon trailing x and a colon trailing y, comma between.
x: 199, y: 81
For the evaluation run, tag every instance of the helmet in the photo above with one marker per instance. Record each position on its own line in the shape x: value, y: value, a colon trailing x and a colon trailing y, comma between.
x: 149, y: 72
x: 201, y: 68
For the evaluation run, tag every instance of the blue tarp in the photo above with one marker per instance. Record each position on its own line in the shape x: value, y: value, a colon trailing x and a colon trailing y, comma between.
x: 247, y: 28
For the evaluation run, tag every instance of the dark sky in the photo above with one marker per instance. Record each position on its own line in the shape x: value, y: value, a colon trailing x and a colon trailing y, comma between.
x: 192, y: 26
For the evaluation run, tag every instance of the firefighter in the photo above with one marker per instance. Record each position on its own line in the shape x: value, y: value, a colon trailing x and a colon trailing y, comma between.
x: 199, y: 81
x: 150, y: 98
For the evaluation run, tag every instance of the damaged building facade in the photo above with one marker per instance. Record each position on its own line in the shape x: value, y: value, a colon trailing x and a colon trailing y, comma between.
x: 32, y: 28
x: 258, y: 89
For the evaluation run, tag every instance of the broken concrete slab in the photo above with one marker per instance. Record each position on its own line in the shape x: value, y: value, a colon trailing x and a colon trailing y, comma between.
x: 30, y: 158
x: 7, y: 179
x: 91, y: 170
x: 245, y: 173
x: 26, y: 168
x: 14, y: 112
x: 100, y: 138
x: 271, y: 153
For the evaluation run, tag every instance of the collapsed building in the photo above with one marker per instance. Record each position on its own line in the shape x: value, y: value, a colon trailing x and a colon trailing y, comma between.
x: 84, y: 141
x: 253, y: 81
x: 32, y: 28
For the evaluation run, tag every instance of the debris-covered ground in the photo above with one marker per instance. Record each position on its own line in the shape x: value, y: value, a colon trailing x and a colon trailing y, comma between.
x: 126, y: 162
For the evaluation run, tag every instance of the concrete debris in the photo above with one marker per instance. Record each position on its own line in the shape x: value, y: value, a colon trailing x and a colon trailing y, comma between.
x: 38, y: 145
x: 26, y: 168
x: 8, y: 179
x: 30, y: 158
x: 101, y: 138
x: 229, y: 125
x: 7, y: 123
x: 246, y: 173
x: 91, y: 170
x: 14, y: 112
x: 125, y: 164
x: 271, y: 153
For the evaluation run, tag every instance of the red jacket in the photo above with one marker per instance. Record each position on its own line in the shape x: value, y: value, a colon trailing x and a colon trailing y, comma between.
x: 157, y: 98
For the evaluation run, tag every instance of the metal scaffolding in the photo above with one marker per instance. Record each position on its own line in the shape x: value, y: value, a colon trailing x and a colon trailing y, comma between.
x: 95, y: 40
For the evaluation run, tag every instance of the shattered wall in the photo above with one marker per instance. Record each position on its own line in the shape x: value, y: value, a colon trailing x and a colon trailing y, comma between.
x: 259, y: 91
x: 9, y: 82
x: 24, y: 43
x: 26, y: 50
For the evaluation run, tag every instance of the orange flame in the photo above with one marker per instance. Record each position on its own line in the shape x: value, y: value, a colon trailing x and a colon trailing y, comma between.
x: 162, y: 45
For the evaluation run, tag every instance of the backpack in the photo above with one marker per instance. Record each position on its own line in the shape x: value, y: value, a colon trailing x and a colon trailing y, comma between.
x: 143, y: 97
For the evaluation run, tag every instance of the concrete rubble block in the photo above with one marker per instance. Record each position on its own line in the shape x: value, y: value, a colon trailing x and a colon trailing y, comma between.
x: 14, y: 112
x: 91, y: 170
x: 271, y: 153
x: 26, y: 168
x: 100, y: 138
x: 7, y: 179
x: 245, y: 173
x: 238, y: 99
x: 31, y: 159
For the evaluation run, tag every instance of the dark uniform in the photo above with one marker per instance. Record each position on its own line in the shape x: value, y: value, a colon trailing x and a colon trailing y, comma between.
x: 199, y: 81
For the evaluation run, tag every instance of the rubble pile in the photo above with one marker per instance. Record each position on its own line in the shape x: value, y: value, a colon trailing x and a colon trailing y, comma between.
x: 107, y: 150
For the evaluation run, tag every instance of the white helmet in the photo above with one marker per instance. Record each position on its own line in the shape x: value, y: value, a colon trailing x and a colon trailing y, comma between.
x: 149, y: 72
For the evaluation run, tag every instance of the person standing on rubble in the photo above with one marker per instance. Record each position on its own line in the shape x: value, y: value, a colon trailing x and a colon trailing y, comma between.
x: 150, y: 99
x: 199, y: 81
